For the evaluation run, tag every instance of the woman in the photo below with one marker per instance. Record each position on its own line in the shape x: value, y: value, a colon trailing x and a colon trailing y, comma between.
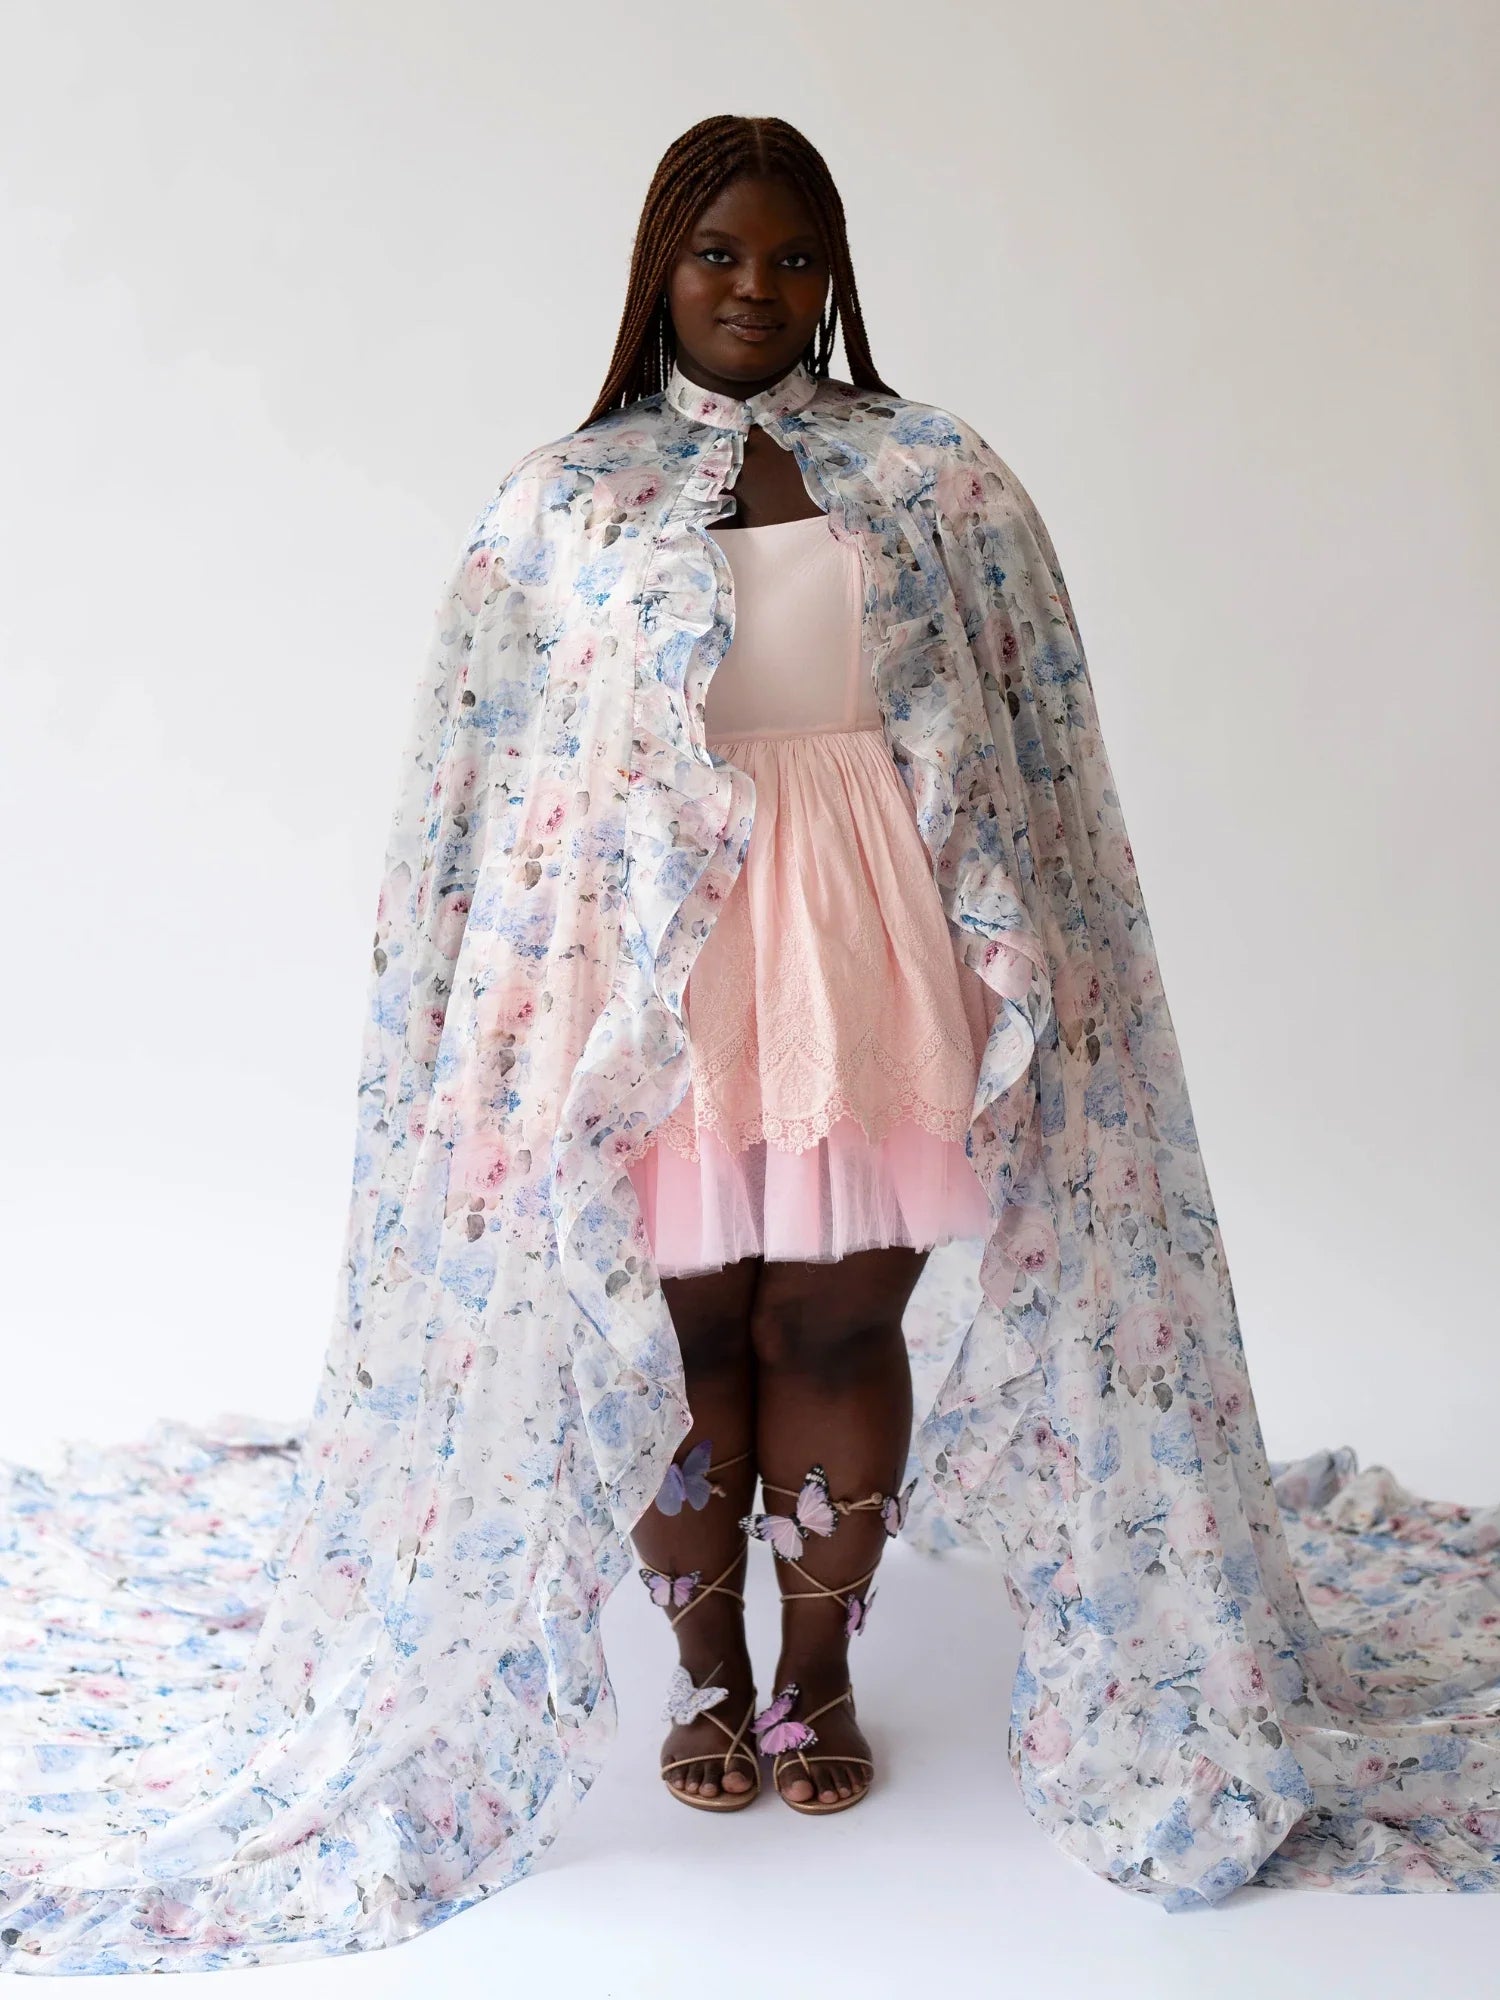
x: 513, y: 1388
x: 818, y: 1154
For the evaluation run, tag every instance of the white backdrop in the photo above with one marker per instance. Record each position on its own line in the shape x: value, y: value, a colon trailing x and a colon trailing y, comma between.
x: 291, y: 286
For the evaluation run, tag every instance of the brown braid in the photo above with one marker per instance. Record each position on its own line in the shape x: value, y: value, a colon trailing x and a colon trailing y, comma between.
x: 690, y: 175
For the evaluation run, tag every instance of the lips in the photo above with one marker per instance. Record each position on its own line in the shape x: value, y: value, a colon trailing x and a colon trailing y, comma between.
x: 754, y: 332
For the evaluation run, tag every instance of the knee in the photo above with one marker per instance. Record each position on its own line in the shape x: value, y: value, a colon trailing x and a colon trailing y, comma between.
x: 826, y: 1345
x: 714, y: 1349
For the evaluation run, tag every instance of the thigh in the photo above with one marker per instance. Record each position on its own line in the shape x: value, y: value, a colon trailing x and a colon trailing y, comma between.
x: 817, y: 1313
x: 711, y: 1312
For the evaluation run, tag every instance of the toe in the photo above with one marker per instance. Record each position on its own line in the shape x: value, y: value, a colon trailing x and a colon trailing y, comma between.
x: 708, y: 1783
x: 797, y: 1788
x: 737, y: 1779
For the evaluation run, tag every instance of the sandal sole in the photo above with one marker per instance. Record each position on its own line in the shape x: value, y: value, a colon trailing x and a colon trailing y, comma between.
x: 725, y: 1801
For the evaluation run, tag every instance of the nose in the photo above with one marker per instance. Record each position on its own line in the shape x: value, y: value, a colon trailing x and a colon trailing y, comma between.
x: 756, y: 283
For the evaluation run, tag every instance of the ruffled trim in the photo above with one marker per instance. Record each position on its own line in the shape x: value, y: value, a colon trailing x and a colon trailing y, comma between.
x: 687, y: 827
x: 938, y: 731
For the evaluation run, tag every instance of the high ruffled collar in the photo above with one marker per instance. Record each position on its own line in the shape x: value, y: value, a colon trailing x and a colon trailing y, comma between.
x: 794, y: 391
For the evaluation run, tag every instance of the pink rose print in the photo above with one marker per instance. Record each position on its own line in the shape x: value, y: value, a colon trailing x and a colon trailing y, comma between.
x: 1047, y: 1738
x: 1027, y: 1238
x: 1144, y: 1338
x: 1192, y: 1528
x: 476, y: 578
x: 959, y: 490
x: 627, y: 492
x: 1231, y: 1680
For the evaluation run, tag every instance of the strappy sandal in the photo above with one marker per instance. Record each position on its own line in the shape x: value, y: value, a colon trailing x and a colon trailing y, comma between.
x: 687, y: 1701
x: 815, y: 1512
x: 787, y: 1740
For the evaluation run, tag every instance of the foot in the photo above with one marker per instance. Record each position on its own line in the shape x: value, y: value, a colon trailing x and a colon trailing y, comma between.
x: 839, y: 1736
x: 701, y: 1738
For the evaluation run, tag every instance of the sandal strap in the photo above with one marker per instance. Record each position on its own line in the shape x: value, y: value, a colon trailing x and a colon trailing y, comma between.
x: 871, y: 1504
x: 847, y: 1695
x: 842, y: 1591
x: 819, y: 1757
x: 738, y: 1747
x: 715, y: 1589
x: 824, y: 1756
x: 723, y: 1465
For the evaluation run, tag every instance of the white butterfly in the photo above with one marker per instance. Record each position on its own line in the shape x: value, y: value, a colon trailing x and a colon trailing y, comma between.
x: 685, y: 1703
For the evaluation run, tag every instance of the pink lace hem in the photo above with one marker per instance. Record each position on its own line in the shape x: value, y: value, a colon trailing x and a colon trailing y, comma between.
x: 900, y: 1105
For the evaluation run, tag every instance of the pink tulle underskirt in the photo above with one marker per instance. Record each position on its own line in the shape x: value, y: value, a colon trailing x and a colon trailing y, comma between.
x: 844, y: 1194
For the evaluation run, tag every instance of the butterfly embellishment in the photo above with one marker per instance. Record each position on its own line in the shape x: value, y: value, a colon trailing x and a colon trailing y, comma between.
x: 775, y: 1732
x: 688, y: 1482
x: 671, y: 1593
x: 893, y: 1509
x: 685, y: 1703
x: 812, y: 1514
x: 855, y: 1613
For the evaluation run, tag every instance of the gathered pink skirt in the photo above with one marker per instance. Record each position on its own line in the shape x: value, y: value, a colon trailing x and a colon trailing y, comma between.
x: 835, y: 1036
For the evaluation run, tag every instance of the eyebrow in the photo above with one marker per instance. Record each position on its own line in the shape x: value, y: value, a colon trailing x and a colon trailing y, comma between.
x: 728, y: 236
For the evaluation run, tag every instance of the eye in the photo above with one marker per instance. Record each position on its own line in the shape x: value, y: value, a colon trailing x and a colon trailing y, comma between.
x: 805, y: 257
x: 715, y: 250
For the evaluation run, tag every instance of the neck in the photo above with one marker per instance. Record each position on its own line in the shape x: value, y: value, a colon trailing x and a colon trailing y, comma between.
x: 726, y: 385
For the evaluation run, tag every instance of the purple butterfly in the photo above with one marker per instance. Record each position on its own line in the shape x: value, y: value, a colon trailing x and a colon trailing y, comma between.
x: 893, y: 1509
x: 671, y: 1593
x: 688, y: 1481
x: 856, y: 1612
x: 774, y: 1732
x: 813, y: 1514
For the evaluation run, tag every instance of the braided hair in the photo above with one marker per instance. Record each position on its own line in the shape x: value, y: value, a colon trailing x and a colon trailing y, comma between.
x: 690, y: 174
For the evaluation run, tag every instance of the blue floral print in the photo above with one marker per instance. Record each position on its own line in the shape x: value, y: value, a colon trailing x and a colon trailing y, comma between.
x: 273, y: 1696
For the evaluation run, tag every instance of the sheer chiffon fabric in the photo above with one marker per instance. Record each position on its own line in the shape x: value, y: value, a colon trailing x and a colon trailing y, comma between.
x: 835, y: 1036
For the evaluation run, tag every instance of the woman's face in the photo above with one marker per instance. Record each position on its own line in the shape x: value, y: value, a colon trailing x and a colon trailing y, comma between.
x: 748, y: 286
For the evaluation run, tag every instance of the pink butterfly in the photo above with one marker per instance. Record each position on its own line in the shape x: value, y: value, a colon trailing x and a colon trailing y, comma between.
x: 893, y: 1509
x: 670, y: 1593
x: 688, y: 1481
x: 774, y: 1733
x: 856, y: 1613
x: 813, y: 1514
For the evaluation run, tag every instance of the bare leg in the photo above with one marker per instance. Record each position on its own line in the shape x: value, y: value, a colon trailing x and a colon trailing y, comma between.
x: 833, y: 1388
x: 711, y: 1315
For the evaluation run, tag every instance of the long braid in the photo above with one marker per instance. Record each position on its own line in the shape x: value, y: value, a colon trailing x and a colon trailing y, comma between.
x: 692, y: 171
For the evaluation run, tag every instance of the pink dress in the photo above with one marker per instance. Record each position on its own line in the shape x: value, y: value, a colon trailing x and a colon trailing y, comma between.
x: 835, y: 1036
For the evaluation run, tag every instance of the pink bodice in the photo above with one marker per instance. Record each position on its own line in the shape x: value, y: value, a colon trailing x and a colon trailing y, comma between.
x: 796, y: 666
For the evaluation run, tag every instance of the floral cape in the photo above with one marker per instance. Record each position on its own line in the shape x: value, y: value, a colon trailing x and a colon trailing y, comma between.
x: 214, y: 1759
